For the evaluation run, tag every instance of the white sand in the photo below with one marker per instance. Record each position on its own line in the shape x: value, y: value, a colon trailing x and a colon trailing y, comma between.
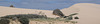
x: 88, y: 13
x: 12, y: 11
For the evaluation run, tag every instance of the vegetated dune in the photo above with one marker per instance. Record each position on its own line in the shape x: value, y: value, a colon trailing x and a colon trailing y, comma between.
x: 88, y: 13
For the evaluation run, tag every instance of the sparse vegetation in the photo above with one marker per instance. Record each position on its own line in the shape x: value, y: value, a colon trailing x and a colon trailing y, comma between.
x: 4, y: 21
x: 73, y: 14
x: 74, y: 22
x: 24, y: 18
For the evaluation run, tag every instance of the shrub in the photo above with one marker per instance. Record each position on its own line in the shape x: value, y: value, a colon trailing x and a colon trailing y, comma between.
x: 73, y: 14
x: 24, y: 20
x: 4, y: 21
x: 76, y: 18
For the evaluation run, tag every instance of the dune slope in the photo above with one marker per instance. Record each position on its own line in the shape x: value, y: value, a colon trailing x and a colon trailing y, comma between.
x: 12, y: 11
x: 87, y: 12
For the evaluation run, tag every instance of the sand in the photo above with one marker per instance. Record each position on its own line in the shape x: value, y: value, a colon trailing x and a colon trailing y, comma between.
x: 88, y: 13
x: 12, y: 11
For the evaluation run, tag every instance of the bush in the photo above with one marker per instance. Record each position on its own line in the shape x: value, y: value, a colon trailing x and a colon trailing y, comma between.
x: 76, y: 18
x: 58, y: 12
x: 70, y: 18
x: 24, y: 20
x: 4, y: 21
x: 25, y: 16
x: 73, y: 14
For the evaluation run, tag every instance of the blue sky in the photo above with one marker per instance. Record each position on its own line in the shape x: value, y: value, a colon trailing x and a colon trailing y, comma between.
x: 44, y: 4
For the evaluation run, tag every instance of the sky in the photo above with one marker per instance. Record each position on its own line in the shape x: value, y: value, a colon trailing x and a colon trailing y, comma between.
x: 44, y: 4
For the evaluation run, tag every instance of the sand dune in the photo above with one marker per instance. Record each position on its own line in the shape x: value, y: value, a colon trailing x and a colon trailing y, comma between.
x: 87, y: 12
x: 11, y: 11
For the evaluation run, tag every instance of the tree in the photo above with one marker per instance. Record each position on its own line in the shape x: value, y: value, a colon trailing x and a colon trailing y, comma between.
x: 11, y: 6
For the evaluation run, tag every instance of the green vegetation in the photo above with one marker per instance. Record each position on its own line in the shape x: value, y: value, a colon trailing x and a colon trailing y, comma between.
x: 24, y: 18
x: 73, y: 14
x: 4, y: 21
